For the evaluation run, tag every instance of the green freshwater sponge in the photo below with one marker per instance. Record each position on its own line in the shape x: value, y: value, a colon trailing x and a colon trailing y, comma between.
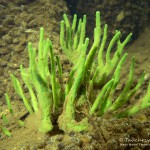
x: 89, y: 70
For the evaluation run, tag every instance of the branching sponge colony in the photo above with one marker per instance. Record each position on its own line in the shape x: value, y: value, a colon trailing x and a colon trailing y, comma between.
x: 89, y: 70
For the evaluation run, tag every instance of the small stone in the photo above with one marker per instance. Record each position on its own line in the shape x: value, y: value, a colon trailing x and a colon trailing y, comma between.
x: 120, y: 16
x: 41, y: 145
x: 61, y: 146
x: 19, y: 48
x: 25, y: 148
x: 32, y: 24
x: 3, y: 4
x: 133, y: 133
x: 13, y: 66
x: 76, y: 141
x: 33, y: 147
x: 8, y: 21
x: 147, y: 77
x: 15, y: 41
x: 72, y: 147
x: 137, y: 125
x: 51, y: 147
x: 3, y: 30
x: 3, y: 63
x: 4, y: 51
x: 140, y: 60
x: 7, y: 38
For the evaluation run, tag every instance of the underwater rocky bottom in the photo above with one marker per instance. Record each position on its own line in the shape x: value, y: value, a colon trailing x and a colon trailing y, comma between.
x: 107, y: 132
